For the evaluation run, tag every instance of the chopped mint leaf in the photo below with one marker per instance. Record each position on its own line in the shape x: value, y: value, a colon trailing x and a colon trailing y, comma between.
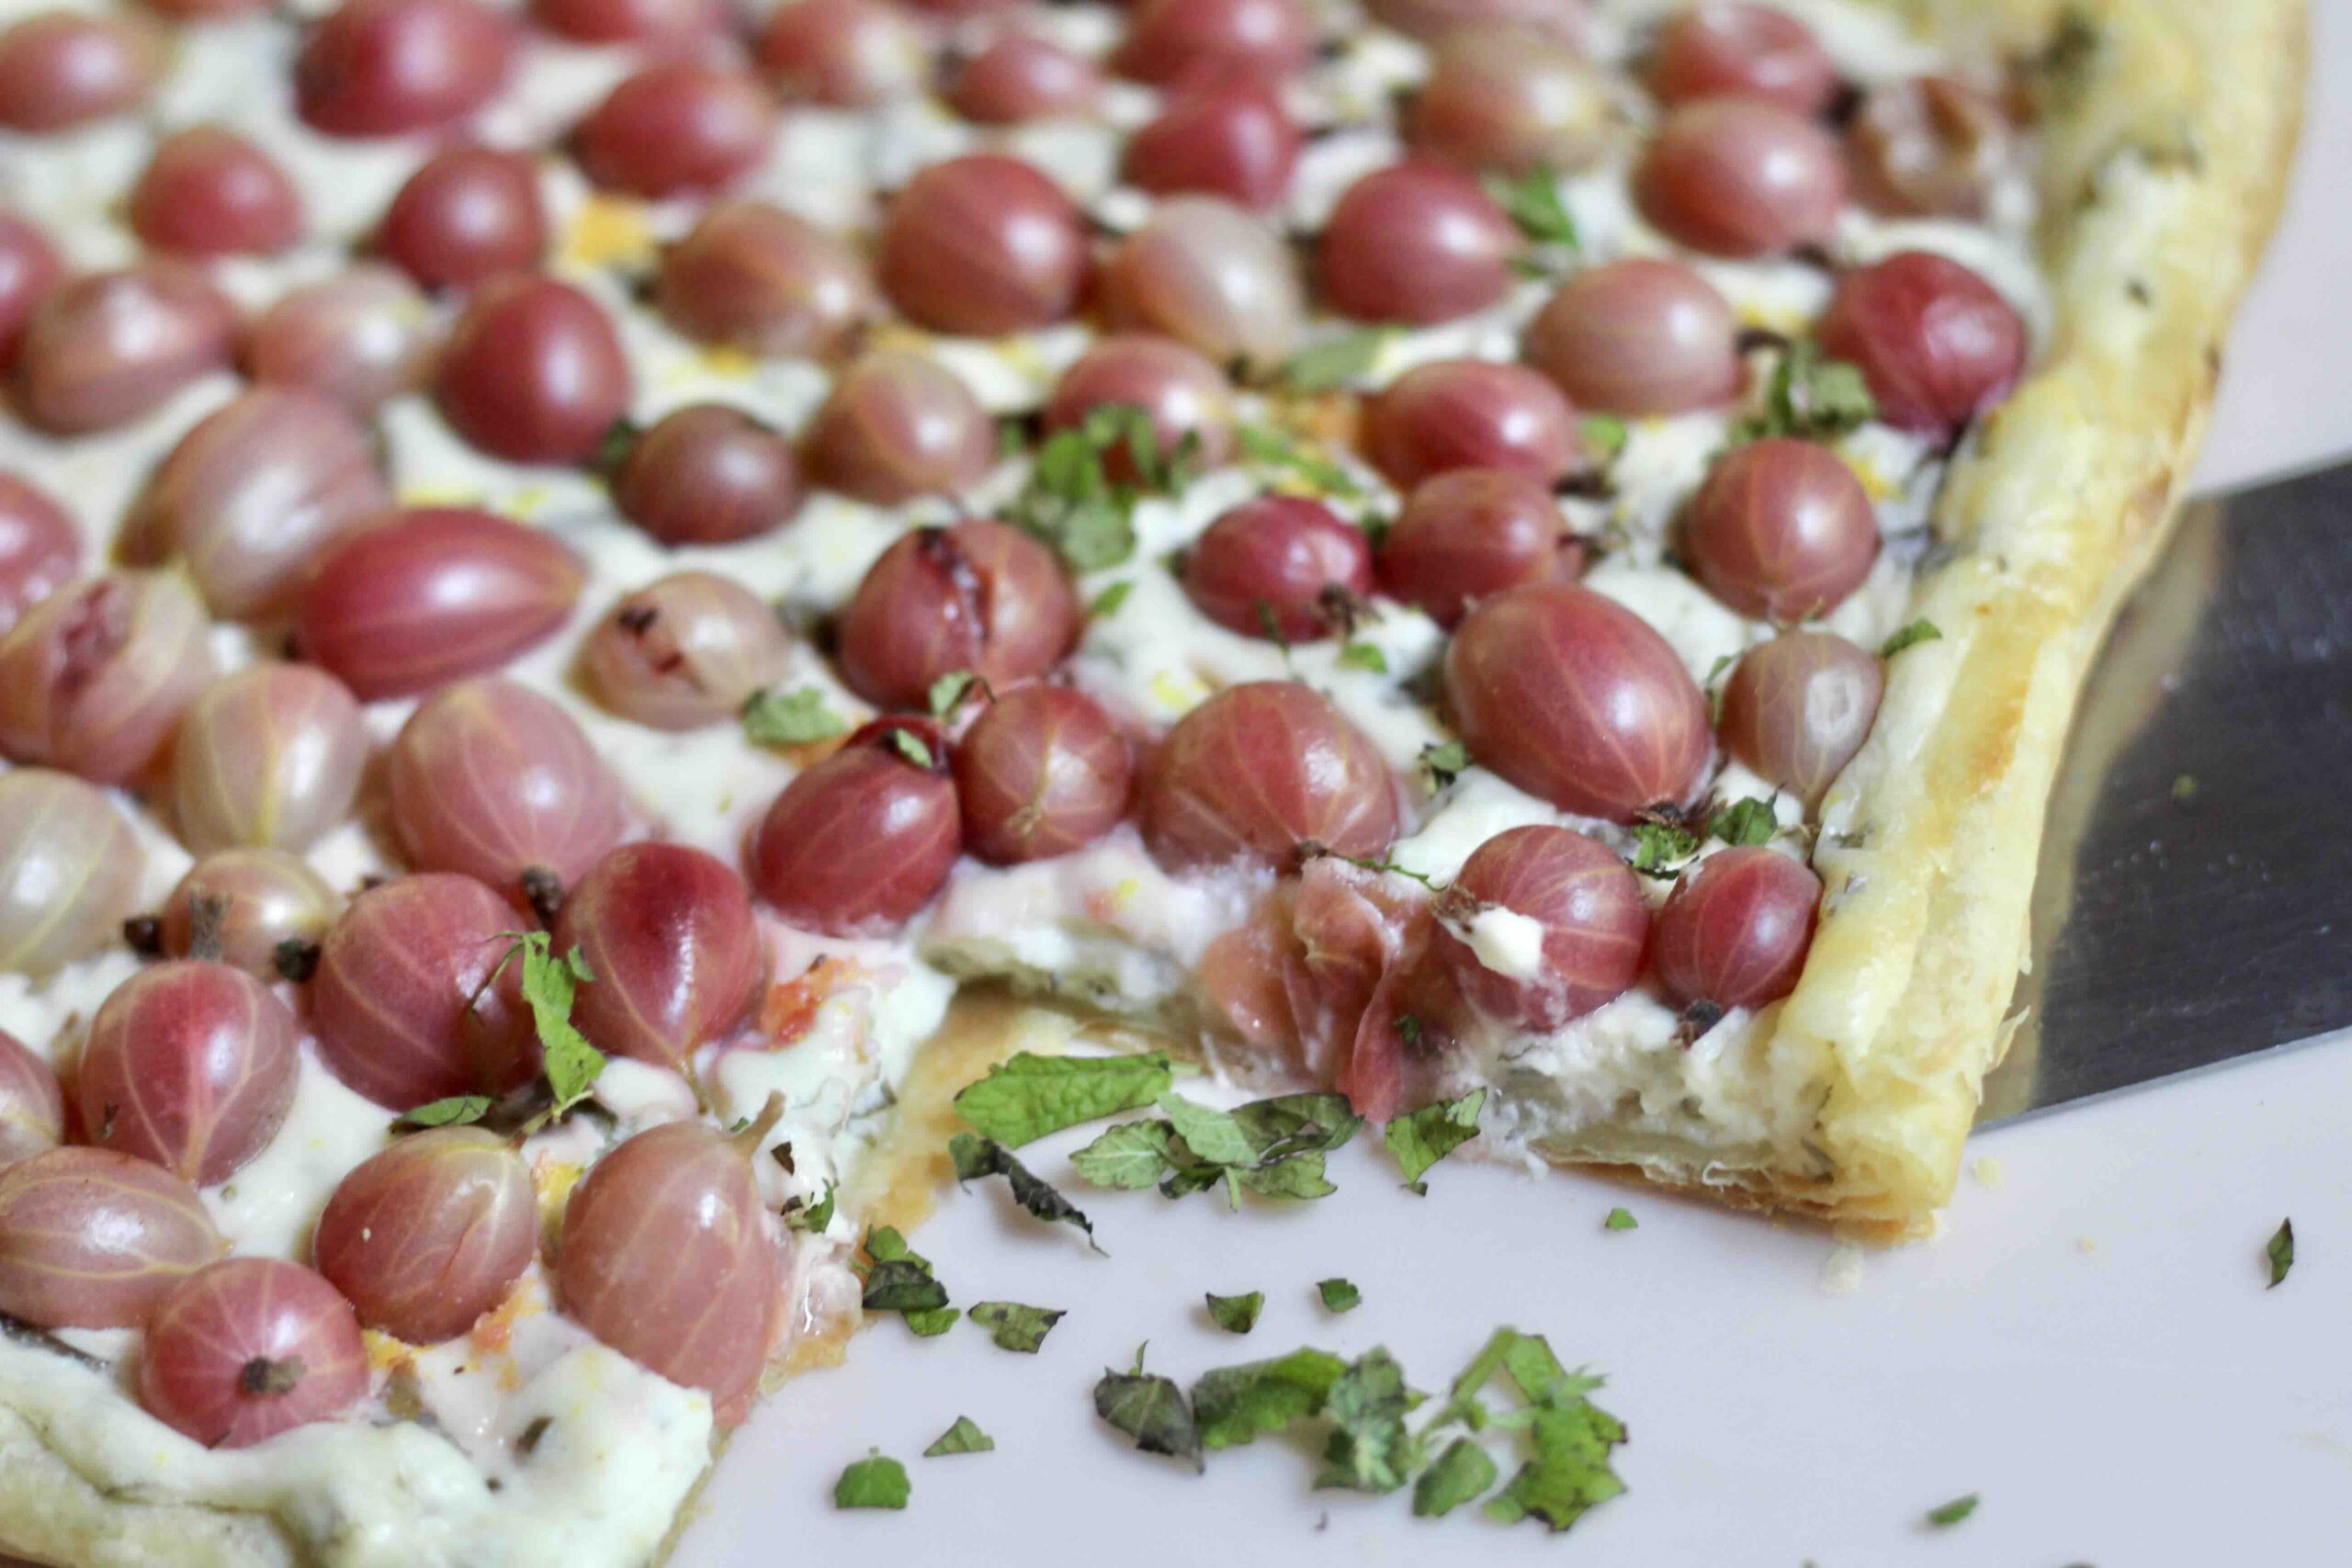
x: 963, y: 1438
x: 1015, y: 1327
x: 1130, y: 1157
x: 874, y: 1481
x: 898, y: 1279
x: 1568, y: 1472
x: 1371, y: 1449
x: 1460, y: 1475
x: 1421, y: 1138
x: 1071, y: 502
x: 1235, y: 1314
x: 1337, y: 362
x: 1288, y: 458
x: 790, y: 718
x: 1213, y: 1136
x: 1273, y: 1148
x: 949, y: 691
x: 1294, y: 1123
x: 1234, y: 1405
x: 1339, y: 1295
x: 1364, y: 656
x: 814, y: 1217
x: 1605, y: 433
x: 1025, y: 1098
x: 911, y: 746
x: 1918, y: 631
x: 900, y: 1284
x: 928, y: 1322
x: 1658, y: 844
x: 1747, y: 821
x: 2281, y: 1253
x: 1107, y: 602
x: 570, y: 1064
x: 1297, y: 1176
x: 1532, y: 202
x: 1621, y: 1220
x: 1810, y: 397
x: 455, y: 1112
x: 1446, y: 762
x: 1951, y: 1513
x: 980, y: 1157
x: 884, y: 1244
x: 1152, y: 1410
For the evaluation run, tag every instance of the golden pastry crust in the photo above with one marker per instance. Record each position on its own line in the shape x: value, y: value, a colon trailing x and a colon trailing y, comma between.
x: 2170, y: 129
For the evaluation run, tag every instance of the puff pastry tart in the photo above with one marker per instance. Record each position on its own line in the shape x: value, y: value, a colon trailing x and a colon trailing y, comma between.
x: 571, y: 573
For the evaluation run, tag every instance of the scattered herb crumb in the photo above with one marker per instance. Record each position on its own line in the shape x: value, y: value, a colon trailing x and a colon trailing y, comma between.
x: 963, y: 1438
x: 2184, y: 788
x: 1462, y: 1473
x: 874, y: 1481
x: 1621, y: 1220
x: 1025, y: 1097
x: 1365, y: 656
x: 790, y: 718
x: 1951, y: 1513
x: 1015, y: 1327
x: 2281, y: 1252
x: 1918, y: 631
x: 1237, y: 1315
x: 975, y: 1159
x: 1107, y: 602
x: 1339, y: 1295
x: 1150, y: 1409
x: 1421, y: 1138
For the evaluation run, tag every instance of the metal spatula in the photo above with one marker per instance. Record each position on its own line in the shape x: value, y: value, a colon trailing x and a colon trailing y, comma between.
x: 2195, y: 897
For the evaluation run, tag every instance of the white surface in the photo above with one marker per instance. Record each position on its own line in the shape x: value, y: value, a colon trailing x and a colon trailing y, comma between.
x: 2089, y: 1345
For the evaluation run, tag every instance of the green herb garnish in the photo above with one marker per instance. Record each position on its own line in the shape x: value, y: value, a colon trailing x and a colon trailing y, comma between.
x: 2281, y: 1253
x: 1363, y: 656
x: 1621, y: 1220
x: 1336, y: 362
x: 1152, y: 1410
x: 1951, y: 1513
x: 1461, y: 1475
x: 1107, y: 602
x: 790, y: 718
x: 1288, y: 458
x: 1657, y: 845
x: 457, y: 1110
x: 963, y: 1438
x: 1811, y: 398
x: 1532, y: 202
x: 1029, y: 1096
x: 874, y: 1481
x: 1446, y: 762
x: 1339, y: 1295
x: 1015, y: 1327
x: 1235, y: 1314
x: 1421, y: 1138
x: 977, y: 1158
x: 1918, y: 631
x: 1747, y: 821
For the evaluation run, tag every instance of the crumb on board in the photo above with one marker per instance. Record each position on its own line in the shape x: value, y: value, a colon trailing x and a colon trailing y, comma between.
x: 1990, y: 1172
x: 1842, y: 1272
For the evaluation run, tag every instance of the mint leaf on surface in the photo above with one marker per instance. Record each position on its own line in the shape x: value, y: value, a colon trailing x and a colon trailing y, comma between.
x: 963, y: 1438
x: 1015, y: 1327
x: 975, y: 1159
x: 1235, y: 1314
x: 1621, y: 1220
x: 874, y: 1481
x: 1460, y: 1475
x: 790, y: 718
x: 1418, y: 1139
x: 1029, y: 1096
x: 1237, y: 1404
x: 1371, y: 1449
x: 1951, y: 1513
x: 1339, y: 1295
x: 1918, y: 631
x: 2281, y: 1253
x: 1152, y: 1410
